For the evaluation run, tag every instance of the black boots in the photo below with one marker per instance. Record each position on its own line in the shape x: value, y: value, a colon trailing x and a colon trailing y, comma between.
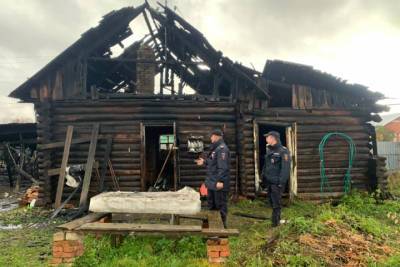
x: 276, y: 217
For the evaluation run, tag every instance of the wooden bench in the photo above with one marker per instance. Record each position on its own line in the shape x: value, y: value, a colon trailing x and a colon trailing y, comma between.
x: 101, y: 223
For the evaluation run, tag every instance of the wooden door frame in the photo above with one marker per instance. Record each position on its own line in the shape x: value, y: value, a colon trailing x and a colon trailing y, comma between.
x: 143, y: 165
x: 290, y: 144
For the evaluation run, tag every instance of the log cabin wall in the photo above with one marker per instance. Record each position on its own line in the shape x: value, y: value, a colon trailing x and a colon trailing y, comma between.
x: 121, y: 120
x: 312, y: 125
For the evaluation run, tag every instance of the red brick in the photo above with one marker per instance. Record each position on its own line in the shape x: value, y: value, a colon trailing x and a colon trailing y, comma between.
x: 68, y: 254
x: 224, y: 248
x: 57, y: 249
x: 68, y: 244
x: 58, y: 254
x: 55, y: 260
x: 224, y: 241
x: 69, y: 249
x: 58, y: 243
x: 212, y: 242
x: 224, y: 253
x: 213, y: 254
x: 214, y: 248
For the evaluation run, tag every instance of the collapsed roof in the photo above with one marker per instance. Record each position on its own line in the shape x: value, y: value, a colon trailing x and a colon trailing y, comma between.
x: 293, y: 73
x: 180, y: 49
x: 178, y: 46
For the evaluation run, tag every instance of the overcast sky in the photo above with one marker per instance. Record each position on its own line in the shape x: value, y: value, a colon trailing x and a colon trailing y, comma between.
x: 358, y: 40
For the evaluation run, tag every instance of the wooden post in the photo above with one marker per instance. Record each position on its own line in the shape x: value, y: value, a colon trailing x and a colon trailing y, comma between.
x: 64, y: 163
x: 142, y: 156
x: 89, y: 166
x: 175, y: 162
x: 21, y: 162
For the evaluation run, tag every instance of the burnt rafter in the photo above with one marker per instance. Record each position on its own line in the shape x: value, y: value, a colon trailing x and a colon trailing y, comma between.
x: 180, y: 50
x: 186, y: 42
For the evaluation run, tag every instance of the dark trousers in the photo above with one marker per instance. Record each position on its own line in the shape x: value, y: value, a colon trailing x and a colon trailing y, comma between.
x: 275, y: 199
x: 218, y: 200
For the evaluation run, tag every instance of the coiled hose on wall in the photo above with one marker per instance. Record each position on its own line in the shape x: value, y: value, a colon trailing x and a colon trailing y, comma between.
x: 352, y: 153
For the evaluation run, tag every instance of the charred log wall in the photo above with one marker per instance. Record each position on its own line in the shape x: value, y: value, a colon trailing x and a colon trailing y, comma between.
x: 121, y: 120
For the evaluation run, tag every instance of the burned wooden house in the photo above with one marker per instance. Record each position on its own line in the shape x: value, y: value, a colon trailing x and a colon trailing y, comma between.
x: 161, y: 95
x: 17, y: 155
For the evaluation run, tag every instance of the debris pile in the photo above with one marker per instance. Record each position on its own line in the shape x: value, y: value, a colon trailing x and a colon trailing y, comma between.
x: 345, y: 248
x: 31, y: 196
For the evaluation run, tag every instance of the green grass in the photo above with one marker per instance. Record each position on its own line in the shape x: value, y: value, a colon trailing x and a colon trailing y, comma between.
x: 394, y: 183
x: 144, y: 251
x: 360, y: 215
x: 30, y: 245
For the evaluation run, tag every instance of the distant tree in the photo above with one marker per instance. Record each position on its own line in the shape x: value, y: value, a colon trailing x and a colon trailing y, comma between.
x: 383, y: 134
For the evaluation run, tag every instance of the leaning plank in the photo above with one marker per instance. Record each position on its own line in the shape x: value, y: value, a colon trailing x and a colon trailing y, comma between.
x: 133, y: 227
x: 64, y: 163
x: 89, y: 165
x: 91, y: 217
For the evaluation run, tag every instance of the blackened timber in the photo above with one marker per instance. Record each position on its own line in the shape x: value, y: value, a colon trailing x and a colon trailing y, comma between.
x: 89, y: 166
x: 60, y: 184
x: 106, y: 158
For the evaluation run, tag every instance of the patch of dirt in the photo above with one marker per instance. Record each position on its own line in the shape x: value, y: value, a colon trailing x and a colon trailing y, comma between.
x: 345, y: 248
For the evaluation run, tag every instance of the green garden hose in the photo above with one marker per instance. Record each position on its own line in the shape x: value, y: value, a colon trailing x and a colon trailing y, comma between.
x: 352, y: 153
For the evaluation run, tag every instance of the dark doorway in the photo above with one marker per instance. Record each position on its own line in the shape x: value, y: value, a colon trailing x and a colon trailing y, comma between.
x: 263, y: 129
x: 159, y: 143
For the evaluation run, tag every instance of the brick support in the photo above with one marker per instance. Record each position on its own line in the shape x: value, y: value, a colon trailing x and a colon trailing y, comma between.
x: 218, y: 250
x: 67, y: 246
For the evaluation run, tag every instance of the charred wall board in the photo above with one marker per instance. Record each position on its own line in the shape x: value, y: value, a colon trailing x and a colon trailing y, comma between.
x: 311, y: 127
x: 43, y: 117
x: 121, y: 121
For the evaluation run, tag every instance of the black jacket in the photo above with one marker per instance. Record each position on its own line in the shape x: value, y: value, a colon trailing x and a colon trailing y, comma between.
x: 276, y: 169
x: 217, y: 163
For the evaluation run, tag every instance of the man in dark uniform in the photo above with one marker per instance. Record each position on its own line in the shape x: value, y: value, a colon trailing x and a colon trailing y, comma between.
x: 275, y: 173
x: 217, y: 180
